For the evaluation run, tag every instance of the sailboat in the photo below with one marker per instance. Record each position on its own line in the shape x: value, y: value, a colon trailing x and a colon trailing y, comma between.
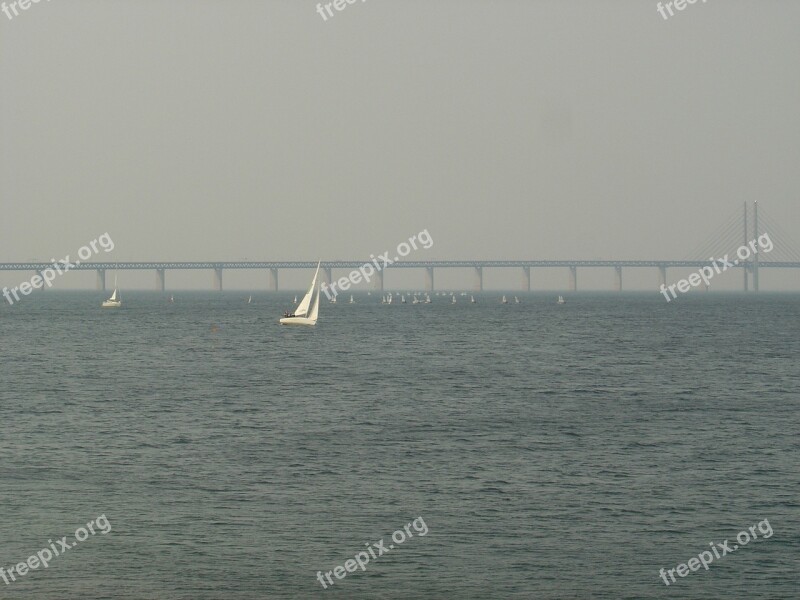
x: 427, y: 298
x: 472, y: 300
x: 301, y: 315
x: 172, y: 299
x: 295, y: 299
x: 402, y: 299
x: 516, y: 300
x: 250, y: 299
x: 454, y: 299
x: 505, y: 301
x: 116, y: 300
x: 561, y: 300
x: 352, y: 300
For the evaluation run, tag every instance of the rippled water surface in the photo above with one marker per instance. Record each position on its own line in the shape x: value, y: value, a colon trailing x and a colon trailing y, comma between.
x: 551, y: 451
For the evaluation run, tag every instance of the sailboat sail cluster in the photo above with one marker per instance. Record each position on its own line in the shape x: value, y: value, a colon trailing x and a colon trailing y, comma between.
x: 307, y: 311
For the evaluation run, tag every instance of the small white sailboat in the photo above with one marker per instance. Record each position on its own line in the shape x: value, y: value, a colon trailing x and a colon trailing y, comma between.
x: 561, y: 300
x: 295, y: 299
x: 352, y: 300
x: 172, y: 299
x: 427, y: 298
x: 454, y: 299
x: 402, y: 299
x: 415, y: 300
x: 505, y: 300
x: 472, y: 300
x: 116, y: 299
x: 302, y: 315
x: 250, y: 299
x: 333, y: 300
x: 516, y: 300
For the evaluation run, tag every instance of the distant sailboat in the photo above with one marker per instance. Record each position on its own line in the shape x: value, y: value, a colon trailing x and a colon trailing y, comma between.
x: 333, y: 300
x: 116, y: 299
x: 250, y: 299
x: 505, y: 301
x: 454, y: 299
x: 402, y: 299
x: 295, y: 299
x: 516, y: 300
x: 301, y: 315
x: 427, y: 298
x: 352, y: 300
x: 172, y: 299
x: 561, y: 300
x: 472, y: 300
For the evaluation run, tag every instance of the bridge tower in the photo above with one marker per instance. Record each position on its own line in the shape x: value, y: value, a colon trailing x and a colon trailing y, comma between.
x: 273, y: 279
x: 478, y: 285
x: 160, y: 280
x: 218, y: 279
x: 429, y: 279
x: 573, y: 279
x: 101, y: 279
x: 526, y: 279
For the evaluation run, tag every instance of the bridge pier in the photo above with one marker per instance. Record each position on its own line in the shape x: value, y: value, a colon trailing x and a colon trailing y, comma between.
x: 160, y: 280
x: 573, y: 279
x: 618, y: 278
x: 378, y: 284
x: 755, y: 254
x: 478, y: 286
x: 662, y: 276
x: 218, y: 280
x: 101, y: 280
x: 429, y: 279
x: 273, y: 280
x: 526, y: 279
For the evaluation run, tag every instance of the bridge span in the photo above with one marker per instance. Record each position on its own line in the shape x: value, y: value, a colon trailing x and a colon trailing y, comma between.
x: 750, y: 268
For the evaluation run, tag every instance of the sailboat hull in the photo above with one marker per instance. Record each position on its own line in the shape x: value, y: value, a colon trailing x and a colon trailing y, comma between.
x: 111, y: 304
x: 298, y: 321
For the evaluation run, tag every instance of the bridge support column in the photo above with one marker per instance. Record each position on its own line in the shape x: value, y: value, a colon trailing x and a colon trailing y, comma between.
x: 101, y: 279
x: 662, y: 276
x: 218, y: 280
x: 618, y: 278
x: 273, y: 280
x: 755, y: 254
x: 429, y: 279
x: 526, y: 279
x: 478, y: 286
x: 573, y: 279
x: 160, y: 280
x: 378, y: 283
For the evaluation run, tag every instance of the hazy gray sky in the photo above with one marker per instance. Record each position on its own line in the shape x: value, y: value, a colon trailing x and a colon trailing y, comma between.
x: 199, y: 130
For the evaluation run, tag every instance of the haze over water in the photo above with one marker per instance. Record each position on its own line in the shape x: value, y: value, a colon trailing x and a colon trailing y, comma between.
x: 553, y: 451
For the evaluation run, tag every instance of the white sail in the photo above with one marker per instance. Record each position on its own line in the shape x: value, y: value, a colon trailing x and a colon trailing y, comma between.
x: 312, y: 316
x: 302, y: 308
x: 114, y: 296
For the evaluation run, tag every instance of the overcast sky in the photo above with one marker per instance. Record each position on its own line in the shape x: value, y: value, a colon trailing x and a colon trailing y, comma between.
x: 517, y: 129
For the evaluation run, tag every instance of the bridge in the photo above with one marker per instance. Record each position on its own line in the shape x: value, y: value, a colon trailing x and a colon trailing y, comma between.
x: 781, y: 257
